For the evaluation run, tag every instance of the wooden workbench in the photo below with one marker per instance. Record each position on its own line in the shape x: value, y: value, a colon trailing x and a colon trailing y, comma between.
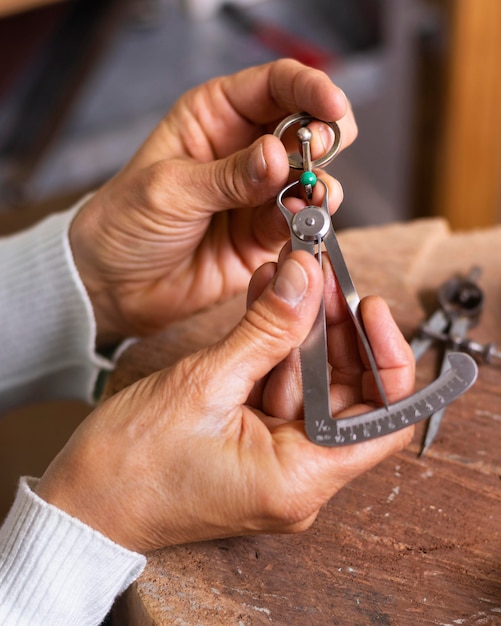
x: 415, y: 541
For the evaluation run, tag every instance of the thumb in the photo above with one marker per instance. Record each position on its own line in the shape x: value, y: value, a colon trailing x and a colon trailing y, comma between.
x: 247, y: 178
x: 276, y: 323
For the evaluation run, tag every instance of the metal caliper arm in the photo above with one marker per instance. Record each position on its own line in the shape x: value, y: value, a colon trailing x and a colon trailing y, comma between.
x: 310, y: 228
x: 313, y: 350
x: 352, y: 302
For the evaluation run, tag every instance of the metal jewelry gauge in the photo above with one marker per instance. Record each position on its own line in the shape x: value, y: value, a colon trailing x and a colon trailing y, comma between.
x: 311, y: 229
x: 304, y: 119
x: 460, y: 305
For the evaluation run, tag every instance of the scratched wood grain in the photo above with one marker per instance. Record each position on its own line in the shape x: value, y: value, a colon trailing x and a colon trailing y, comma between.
x: 413, y: 542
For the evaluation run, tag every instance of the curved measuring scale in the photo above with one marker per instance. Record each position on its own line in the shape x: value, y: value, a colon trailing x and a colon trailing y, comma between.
x: 310, y: 228
x: 329, y: 431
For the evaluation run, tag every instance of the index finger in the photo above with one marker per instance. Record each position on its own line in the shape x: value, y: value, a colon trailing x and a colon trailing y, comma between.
x: 228, y: 113
x: 266, y: 93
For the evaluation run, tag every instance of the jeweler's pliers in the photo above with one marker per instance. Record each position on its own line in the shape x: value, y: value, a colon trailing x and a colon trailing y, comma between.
x: 461, y: 302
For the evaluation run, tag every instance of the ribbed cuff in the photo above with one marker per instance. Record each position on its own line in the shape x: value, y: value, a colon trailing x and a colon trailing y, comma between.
x: 55, y: 570
x: 47, y: 321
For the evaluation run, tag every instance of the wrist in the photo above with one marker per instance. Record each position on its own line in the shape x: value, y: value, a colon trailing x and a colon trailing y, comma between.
x: 84, y: 236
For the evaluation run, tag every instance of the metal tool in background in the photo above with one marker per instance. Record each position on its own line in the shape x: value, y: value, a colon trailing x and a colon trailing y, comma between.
x: 461, y: 302
x: 311, y: 229
x: 279, y: 39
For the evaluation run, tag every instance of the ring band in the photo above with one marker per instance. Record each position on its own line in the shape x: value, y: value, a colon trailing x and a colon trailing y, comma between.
x: 304, y: 119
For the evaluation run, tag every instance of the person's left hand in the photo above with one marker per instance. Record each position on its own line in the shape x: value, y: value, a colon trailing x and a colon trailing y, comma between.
x: 193, y: 214
x: 214, y: 446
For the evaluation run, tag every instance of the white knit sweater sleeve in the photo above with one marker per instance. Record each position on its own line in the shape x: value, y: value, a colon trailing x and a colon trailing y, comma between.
x: 47, y: 326
x: 55, y: 570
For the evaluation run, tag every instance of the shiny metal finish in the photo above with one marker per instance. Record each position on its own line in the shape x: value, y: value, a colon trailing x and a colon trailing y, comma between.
x: 320, y: 426
x: 458, y: 378
x: 310, y: 229
x: 461, y: 301
x: 304, y: 119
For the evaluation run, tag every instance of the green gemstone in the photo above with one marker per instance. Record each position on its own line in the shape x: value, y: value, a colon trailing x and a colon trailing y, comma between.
x: 308, y: 178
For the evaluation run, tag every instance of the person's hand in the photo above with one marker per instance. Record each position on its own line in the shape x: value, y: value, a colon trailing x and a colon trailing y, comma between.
x: 193, y: 214
x: 210, y: 447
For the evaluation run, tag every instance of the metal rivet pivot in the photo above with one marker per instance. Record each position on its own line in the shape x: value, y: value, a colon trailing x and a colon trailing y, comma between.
x: 311, y: 223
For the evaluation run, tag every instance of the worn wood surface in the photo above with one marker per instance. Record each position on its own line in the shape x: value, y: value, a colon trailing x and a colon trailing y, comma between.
x: 416, y: 540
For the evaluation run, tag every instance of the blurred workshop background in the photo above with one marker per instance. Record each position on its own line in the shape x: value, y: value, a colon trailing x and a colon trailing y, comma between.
x: 82, y: 83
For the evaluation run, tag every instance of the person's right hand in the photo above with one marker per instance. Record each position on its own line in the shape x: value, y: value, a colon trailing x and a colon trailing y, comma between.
x: 193, y: 215
x: 210, y: 448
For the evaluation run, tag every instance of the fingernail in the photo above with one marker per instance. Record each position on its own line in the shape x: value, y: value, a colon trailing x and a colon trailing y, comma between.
x: 291, y: 282
x: 257, y: 167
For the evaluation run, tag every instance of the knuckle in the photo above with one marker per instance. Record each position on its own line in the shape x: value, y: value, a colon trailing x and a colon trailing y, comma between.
x: 155, y: 184
x: 263, y: 322
x: 230, y: 181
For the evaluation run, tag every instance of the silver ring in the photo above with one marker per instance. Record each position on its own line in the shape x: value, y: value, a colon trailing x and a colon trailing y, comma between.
x: 304, y: 119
